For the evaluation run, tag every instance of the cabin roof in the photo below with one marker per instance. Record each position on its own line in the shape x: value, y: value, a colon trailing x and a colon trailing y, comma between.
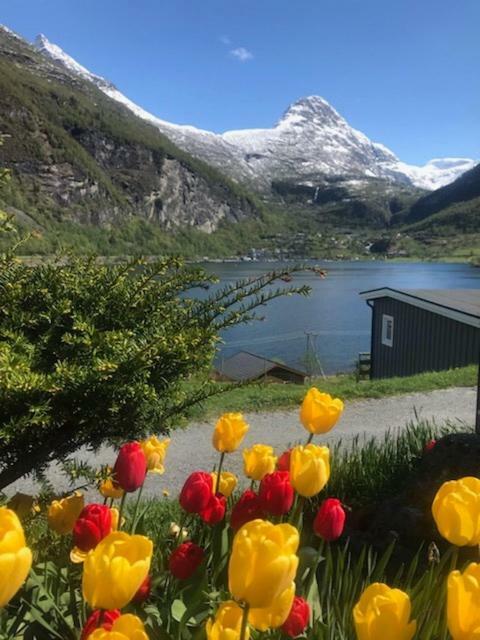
x: 248, y: 366
x: 462, y: 305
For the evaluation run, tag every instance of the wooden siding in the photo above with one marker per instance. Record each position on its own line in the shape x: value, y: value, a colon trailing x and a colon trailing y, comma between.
x: 422, y: 341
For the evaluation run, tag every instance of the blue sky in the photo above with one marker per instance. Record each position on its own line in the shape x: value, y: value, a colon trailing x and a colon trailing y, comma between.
x: 405, y: 72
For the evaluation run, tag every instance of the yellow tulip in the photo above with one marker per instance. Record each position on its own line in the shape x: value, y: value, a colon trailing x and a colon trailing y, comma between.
x: 15, y: 556
x: 383, y: 613
x: 109, y: 490
x: 155, y: 451
x: 456, y: 511
x: 115, y: 569
x: 126, y: 627
x: 274, y: 616
x: 62, y: 514
x: 463, y: 603
x: 263, y: 562
x: 258, y: 461
x: 229, y: 432
x: 228, y: 482
x: 227, y: 623
x: 319, y: 411
x: 309, y: 469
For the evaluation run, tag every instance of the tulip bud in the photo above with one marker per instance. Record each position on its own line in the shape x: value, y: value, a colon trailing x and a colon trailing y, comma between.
x: 429, y: 446
x: 15, y: 556
x: 185, y: 560
x: 382, y: 612
x: 155, y: 451
x: 249, y: 507
x: 283, y: 462
x: 130, y: 467
x: 298, y: 618
x: 276, y: 493
x: 144, y: 590
x: 196, y: 492
x: 229, y: 432
x: 93, y: 622
x: 330, y: 520
x: 456, y: 511
x: 227, y: 623
x: 227, y: 484
x: 214, y: 511
x: 274, y: 616
x: 258, y: 461
x: 92, y: 525
x: 319, y: 411
x: 309, y: 469
x: 125, y: 627
x: 463, y: 595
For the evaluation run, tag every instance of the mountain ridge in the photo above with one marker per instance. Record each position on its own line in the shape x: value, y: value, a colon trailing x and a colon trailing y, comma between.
x: 296, y: 147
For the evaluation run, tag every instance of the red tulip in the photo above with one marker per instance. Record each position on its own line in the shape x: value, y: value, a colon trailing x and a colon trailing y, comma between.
x: 276, y: 493
x: 330, y: 520
x: 429, y: 446
x: 249, y: 507
x: 130, y: 467
x: 185, y: 560
x: 92, y: 623
x: 283, y: 462
x: 143, y: 592
x: 196, y: 492
x: 298, y: 618
x: 215, y: 509
x: 92, y: 525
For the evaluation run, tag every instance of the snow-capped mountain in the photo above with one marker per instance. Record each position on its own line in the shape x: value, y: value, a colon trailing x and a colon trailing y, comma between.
x: 310, y: 142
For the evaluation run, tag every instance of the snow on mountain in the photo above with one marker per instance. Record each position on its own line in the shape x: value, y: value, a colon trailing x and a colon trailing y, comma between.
x: 311, y: 141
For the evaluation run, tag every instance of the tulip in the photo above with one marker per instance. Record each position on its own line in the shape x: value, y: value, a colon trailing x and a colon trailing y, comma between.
x: 463, y: 599
x: 62, y: 514
x: 92, y: 525
x: 214, y: 511
x: 227, y: 484
x: 309, y: 469
x: 384, y: 613
x: 15, y: 556
x: 330, y: 520
x: 23, y: 504
x: 115, y: 569
x: 249, y: 507
x: 319, y: 411
x: 144, y: 590
x: 196, y: 492
x: 283, y: 462
x: 456, y: 511
x: 107, y: 619
x: 155, y: 451
x: 229, y: 432
x: 174, y: 531
x: 429, y: 446
x: 185, y: 560
x: 130, y: 467
x: 263, y: 562
x: 227, y: 623
x: 276, y: 493
x: 297, y: 620
x: 125, y: 627
x: 275, y: 615
x: 258, y: 461
x: 108, y: 489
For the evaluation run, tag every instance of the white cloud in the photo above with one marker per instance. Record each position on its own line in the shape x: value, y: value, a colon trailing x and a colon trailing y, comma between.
x: 225, y: 40
x: 241, y: 54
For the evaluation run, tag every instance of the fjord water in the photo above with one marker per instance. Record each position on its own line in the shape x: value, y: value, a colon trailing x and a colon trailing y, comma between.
x: 334, y: 310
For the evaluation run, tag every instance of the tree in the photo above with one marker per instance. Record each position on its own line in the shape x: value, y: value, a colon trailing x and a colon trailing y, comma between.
x: 91, y: 353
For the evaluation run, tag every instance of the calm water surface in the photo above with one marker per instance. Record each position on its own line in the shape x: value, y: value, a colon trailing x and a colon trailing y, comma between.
x: 334, y: 310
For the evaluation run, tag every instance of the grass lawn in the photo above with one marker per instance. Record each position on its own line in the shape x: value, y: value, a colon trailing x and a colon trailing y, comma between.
x: 271, y: 396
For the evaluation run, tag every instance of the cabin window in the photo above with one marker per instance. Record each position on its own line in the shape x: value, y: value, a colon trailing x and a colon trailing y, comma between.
x: 387, y: 330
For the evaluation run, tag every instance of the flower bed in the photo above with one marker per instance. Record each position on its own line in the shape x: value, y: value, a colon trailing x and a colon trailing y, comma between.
x: 271, y: 560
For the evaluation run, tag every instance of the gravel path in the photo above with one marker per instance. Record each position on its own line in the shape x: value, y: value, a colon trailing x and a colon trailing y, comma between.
x: 191, y: 449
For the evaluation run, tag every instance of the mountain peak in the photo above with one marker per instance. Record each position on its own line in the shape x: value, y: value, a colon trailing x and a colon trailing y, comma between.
x: 308, y: 109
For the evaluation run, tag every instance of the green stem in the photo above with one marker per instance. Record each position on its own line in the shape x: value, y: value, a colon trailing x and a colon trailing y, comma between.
x: 134, y: 521
x: 219, y: 472
x: 252, y: 485
x: 73, y: 600
x: 298, y: 511
x: 243, y: 629
x: 310, y: 438
x: 120, y: 511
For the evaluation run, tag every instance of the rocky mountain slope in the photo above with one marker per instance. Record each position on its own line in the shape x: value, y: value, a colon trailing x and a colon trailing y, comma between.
x: 310, y: 142
x: 76, y: 156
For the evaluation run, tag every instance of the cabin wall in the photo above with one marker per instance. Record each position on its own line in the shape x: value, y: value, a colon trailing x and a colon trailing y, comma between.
x: 422, y: 341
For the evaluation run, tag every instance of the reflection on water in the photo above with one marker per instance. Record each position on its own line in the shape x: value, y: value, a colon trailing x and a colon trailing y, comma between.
x: 334, y: 312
